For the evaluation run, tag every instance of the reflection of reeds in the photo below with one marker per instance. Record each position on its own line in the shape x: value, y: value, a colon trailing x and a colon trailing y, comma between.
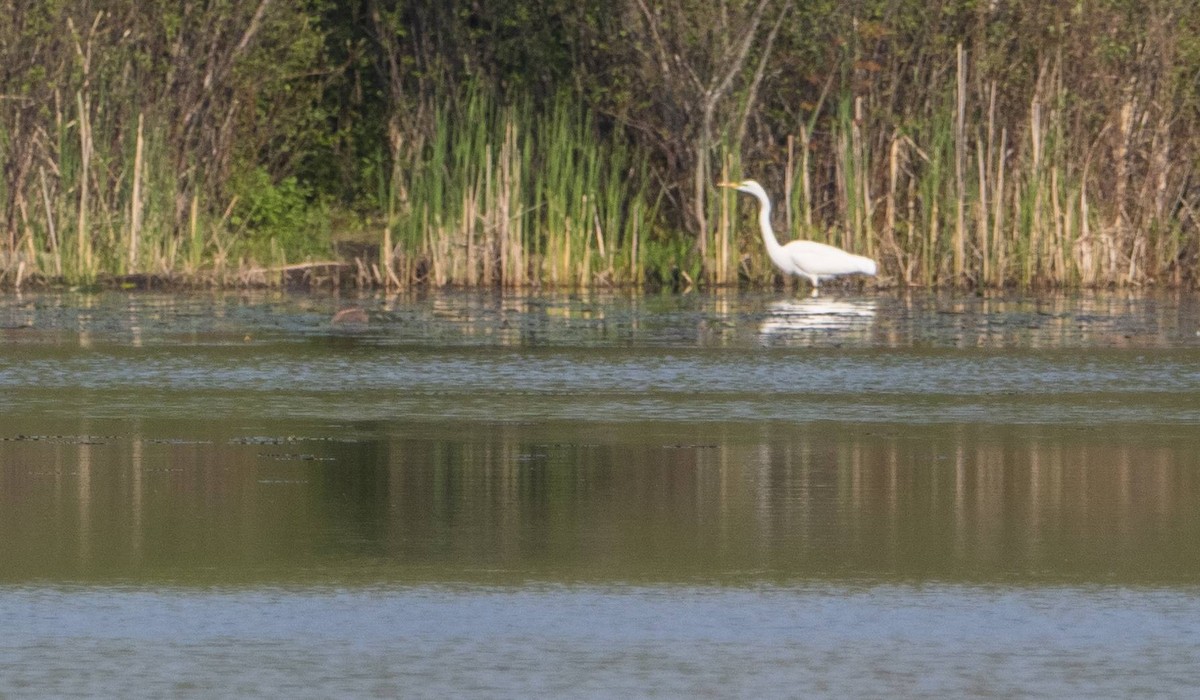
x: 940, y: 501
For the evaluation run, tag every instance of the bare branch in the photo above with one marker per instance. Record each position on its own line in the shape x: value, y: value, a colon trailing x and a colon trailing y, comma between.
x: 251, y: 29
x: 743, y: 50
x: 652, y: 24
x: 761, y: 71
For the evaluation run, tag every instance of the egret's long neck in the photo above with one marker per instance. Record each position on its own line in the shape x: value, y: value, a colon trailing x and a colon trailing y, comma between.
x: 764, y: 223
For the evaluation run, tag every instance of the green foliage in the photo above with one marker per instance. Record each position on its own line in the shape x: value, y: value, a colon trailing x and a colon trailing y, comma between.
x: 278, y: 218
x: 671, y: 262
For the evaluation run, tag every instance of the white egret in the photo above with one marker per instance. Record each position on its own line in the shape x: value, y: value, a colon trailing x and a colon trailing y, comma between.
x: 807, y: 259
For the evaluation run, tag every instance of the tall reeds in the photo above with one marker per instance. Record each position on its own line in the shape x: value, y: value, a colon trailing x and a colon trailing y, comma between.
x: 946, y: 194
x: 103, y: 197
x: 946, y: 169
x: 506, y: 196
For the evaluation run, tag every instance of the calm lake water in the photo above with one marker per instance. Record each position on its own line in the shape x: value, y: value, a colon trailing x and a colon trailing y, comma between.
x: 602, y: 495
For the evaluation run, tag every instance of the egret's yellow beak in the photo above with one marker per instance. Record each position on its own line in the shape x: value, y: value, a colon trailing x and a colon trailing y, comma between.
x: 728, y: 184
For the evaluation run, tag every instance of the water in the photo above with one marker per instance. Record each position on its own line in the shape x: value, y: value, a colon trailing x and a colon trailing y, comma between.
x: 801, y: 641
x: 738, y: 495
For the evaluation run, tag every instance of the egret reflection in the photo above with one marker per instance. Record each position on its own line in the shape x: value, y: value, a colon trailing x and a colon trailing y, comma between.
x: 798, y: 318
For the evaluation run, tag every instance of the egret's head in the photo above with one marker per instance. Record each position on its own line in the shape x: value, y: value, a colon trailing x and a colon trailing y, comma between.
x: 747, y: 186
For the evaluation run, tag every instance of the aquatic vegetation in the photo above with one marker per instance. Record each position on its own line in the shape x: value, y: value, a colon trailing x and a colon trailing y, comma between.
x: 508, y: 196
x: 958, y: 145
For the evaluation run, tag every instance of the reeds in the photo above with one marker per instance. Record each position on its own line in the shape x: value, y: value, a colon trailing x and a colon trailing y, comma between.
x: 102, y: 211
x: 949, y: 195
x: 960, y: 189
x: 506, y: 196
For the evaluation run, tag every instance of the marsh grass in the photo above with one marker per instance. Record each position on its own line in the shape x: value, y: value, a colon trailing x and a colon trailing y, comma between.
x: 104, y: 202
x: 513, y: 195
x: 951, y: 197
x: 106, y: 199
x: 506, y: 196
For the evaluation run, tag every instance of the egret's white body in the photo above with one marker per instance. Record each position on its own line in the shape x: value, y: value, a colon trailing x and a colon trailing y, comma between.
x: 807, y: 259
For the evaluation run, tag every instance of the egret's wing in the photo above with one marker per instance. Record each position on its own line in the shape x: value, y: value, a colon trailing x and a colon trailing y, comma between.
x: 825, y: 260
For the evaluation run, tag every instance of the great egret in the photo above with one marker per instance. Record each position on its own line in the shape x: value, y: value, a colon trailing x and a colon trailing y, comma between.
x: 807, y: 259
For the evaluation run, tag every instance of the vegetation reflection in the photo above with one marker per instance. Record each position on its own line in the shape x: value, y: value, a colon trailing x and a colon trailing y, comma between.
x: 649, y: 502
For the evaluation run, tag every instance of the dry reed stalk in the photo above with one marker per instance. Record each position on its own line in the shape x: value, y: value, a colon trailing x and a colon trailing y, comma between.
x: 600, y: 248
x: 519, y: 253
x: 1087, y: 271
x: 135, y: 201
x: 1135, y: 252
x: 991, y: 127
x: 635, y: 272
x: 805, y: 181
x: 981, y: 216
x: 960, y: 166
x: 546, y: 260
x: 505, y: 199
x: 1069, y: 260
x: 932, y: 268
x: 195, y: 246
x: 51, y: 227
x: 1013, y: 248
x: 27, y: 235
x: 998, y: 260
x: 867, y: 207
x: 429, y: 247
x: 788, y: 175
x: 516, y: 257
x: 839, y: 178
x: 585, y: 265
x: 1117, y: 230
x: 467, y: 228
x: 566, y: 253
x: 861, y: 183
x: 362, y: 276
x: 495, y: 201
x: 1058, y: 229
x: 889, y: 200
x: 390, y: 281
x: 724, y: 224
x: 904, y: 262
x: 608, y: 271
x: 987, y: 188
x: 386, y: 255
x: 1034, y: 191
x: 85, y: 145
x: 913, y: 257
x: 889, y: 223
x: 1161, y: 165
x: 443, y: 255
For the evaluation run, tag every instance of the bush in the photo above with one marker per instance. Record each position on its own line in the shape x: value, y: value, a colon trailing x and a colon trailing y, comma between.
x: 277, y: 217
